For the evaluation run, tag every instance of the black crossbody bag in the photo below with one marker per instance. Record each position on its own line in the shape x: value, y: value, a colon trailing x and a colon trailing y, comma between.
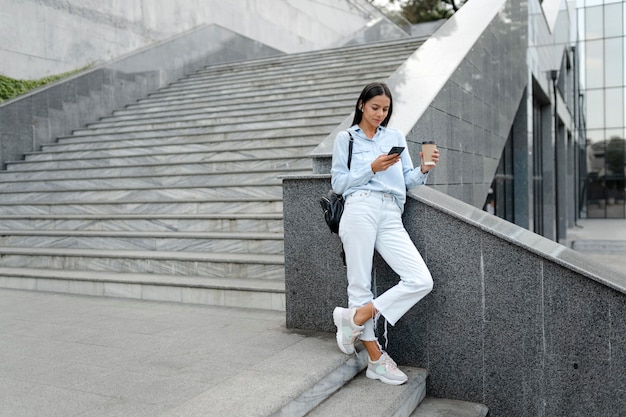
x: 332, y: 203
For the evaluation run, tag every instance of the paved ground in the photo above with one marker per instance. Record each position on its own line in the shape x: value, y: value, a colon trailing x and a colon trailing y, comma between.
x: 64, y: 355
x: 603, y: 240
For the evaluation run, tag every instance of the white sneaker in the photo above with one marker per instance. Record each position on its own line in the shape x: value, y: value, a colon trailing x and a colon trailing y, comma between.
x: 386, y: 370
x: 347, y: 331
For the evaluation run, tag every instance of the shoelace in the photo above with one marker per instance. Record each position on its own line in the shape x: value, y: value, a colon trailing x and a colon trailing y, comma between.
x: 375, y: 316
x: 388, y: 362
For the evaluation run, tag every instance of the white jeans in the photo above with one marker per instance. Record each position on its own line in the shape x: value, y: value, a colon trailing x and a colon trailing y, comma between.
x: 373, y: 220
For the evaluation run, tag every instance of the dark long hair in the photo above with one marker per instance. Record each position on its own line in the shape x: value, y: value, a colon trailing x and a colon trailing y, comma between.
x: 372, y: 90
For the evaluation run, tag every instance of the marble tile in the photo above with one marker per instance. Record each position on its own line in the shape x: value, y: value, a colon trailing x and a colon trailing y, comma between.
x: 18, y: 283
x: 86, y: 288
x: 203, y: 296
x: 204, y: 244
x: 114, y: 289
x: 53, y: 285
x: 249, y: 299
x: 161, y: 293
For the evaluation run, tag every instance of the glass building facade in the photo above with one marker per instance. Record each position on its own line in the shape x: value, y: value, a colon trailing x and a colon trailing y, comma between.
x: 602, y: 46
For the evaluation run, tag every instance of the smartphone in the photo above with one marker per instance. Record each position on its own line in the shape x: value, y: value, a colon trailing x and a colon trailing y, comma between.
x: 396, y: 149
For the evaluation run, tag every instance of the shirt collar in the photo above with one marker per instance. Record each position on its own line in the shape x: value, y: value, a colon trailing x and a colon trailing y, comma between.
x: 356, y: 128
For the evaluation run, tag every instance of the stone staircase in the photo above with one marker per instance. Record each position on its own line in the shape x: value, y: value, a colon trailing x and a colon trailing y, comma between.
x: 329, y: 384
x: 178, y: 197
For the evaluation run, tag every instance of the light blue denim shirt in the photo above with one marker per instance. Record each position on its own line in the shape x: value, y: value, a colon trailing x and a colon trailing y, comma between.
x: 395, y: 180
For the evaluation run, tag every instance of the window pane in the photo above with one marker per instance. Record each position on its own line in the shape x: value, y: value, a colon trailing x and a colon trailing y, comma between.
x: 595, y: 155
x: 595, y: 64
x: 613, y: 62
x: 613, y: 133
x: 593, y: 22
x: 595, y: 135
x: 582, y: 71
x: 614, y: 106
x: 581, y: 23
x: 612, y: 20
x: 595, y: 109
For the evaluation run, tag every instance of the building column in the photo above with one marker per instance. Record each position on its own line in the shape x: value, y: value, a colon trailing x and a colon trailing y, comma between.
x: 549, y: 173
x: 572, y: 195
x: 562, y: 183
x: 522, y: 163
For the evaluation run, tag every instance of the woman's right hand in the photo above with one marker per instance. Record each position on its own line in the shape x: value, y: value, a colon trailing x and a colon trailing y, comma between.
x: 384, y: 161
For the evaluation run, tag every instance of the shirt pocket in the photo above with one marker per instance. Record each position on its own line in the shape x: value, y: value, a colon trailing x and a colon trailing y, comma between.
x: 363, y: 156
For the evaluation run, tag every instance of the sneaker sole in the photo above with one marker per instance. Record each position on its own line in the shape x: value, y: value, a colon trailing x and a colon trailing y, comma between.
x: 339, y: 335
x: 374, y: 375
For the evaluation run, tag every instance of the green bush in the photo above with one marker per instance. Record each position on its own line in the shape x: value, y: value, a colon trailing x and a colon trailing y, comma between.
x: 10, y: 87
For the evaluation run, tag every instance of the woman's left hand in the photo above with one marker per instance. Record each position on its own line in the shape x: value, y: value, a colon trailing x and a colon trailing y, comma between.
x: 426, y: 168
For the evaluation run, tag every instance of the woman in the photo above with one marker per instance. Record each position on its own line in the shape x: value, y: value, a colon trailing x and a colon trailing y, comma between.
x: 374, y: 188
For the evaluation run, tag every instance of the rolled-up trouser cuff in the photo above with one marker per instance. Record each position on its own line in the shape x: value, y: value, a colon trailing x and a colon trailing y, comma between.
x: 368, y: 334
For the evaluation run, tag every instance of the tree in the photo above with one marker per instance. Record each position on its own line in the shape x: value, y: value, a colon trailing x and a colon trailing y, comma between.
x: 418, y: 11
x: 615, y: 155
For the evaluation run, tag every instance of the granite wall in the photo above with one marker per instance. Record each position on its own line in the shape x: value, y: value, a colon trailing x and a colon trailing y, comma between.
x: 515, y: 321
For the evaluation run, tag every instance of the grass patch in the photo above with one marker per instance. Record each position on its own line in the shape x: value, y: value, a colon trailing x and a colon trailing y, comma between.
x: 10, y: 87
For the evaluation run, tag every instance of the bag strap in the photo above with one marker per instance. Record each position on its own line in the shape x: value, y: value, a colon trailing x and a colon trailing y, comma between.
x: 350, y: 149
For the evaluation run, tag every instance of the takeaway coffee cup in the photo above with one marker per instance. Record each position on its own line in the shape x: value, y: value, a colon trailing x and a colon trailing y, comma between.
x: 427, y: 148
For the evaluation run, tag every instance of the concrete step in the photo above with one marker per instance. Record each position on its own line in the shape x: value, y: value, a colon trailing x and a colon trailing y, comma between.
x: 215, y: 142
x: 287, y: 384
x: 221, y: 141
x: 136, y: 182
x: 218, y: 116
x: 365, y: 397
x: 220, y: 222
x: 204, y: 148
x: 38, y: 171
x: 599, y: 246
x: 232, y: 67
x: 147, y: 240
x: 309, y: 76
x: 280, y: 156
x: 212, y: 265
x: 441, y: 407
x: 276, y: 126
x: 335, y: 369
x: 209, y: 104
x: 208, y: 126
x: 339, y: 92
x: 269, y: 73
x: 266, y: 294
x: 317, y: 60
x: 291, y: 60
x: 348, y: 87
x: 197, y: 193
x: 235, y: 155
x: 179, y: 119
x: 263, y: 204
x: 222, y: 136
x: 284, y: 74
x: 143, y: 182
x: 225, y: 108
x: 282, y: 79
